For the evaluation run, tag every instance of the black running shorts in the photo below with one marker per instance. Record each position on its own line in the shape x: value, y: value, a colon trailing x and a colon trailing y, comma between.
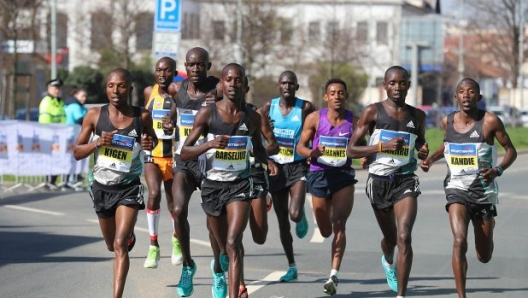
x: 288, y: 175
x: 323, y: 184
x: 106, y: 199
x: 216, y: 195
x: 480, y: 211
x: 385, y: 191
x: 260, y: 180
x: 191, y: 168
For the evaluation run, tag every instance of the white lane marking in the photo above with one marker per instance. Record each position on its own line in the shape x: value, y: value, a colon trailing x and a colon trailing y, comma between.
x: 257, y: 284
x: 316, y: 236
x: 136, y: 228
x: 33, y: 210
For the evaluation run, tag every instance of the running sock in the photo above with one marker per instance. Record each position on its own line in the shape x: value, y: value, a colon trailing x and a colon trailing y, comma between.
x: 153, y: 223
x: 334, y: 272
x: 400, y: 296
x: 292, y: 265
x: 387, y: 263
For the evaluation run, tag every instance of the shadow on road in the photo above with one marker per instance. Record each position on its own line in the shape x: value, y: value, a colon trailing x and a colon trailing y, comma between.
x: 33, y: 247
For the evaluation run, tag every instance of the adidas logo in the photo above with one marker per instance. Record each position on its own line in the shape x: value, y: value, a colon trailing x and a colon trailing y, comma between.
x: 474, y: 134
x: 113, y: 165
x: 230, y: 168
x: 133, y: 133
x: 295, y: 118
x: 392, y: 161
x: 410, y: 124
x: 243, y: 127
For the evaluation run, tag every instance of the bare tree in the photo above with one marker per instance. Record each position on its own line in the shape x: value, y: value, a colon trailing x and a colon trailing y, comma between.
x: 18, y: 20
x: 497, y: 24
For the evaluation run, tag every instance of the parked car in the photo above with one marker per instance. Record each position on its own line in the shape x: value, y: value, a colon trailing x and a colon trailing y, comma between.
x: 510, y: 116
x: 33, y: 114
x: 524, y: 118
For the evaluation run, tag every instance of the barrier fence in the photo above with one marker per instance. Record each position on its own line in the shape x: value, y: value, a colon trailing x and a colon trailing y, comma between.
x: 30, y: 151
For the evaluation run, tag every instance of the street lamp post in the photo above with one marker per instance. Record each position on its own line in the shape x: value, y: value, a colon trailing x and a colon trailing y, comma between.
x: 415, y: 48
x: 53, y: 39
x: 520, y: 84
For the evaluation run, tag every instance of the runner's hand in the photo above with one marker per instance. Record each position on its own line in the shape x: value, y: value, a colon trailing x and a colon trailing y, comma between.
x: 106, y: 138
x: 220, y: 142
x: 423, y: 152
x: 146, y: 142
x: 272, y: 168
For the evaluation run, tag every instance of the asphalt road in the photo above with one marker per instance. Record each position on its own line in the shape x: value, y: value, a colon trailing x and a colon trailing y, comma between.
x: 51, y: 246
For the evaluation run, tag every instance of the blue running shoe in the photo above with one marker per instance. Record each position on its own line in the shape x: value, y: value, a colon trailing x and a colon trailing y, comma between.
x: 291, y: 275
x: 224, y: 262
x: 302, y: 226
x: 185, y: 286
x: 390, y: 273
x: 219, y: 289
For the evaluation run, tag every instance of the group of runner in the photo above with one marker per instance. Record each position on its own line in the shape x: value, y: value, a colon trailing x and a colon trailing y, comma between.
x: 201, y: 134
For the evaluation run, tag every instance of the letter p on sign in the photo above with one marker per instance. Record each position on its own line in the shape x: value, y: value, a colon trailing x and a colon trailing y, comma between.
x: 168, y: 15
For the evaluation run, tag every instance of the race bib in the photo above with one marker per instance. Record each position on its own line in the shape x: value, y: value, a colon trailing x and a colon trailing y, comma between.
x: 398, y: 157
x: 286, y: 150
x: 117, y: 156
x: 234, y: 156
x: 462, y: 159
x: 158, y: 123
x: 334, y: 152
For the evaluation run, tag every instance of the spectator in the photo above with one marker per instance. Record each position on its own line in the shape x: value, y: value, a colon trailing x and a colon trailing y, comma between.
x: 75, y: 112
x: 74, y: 107
x: 51, y: 110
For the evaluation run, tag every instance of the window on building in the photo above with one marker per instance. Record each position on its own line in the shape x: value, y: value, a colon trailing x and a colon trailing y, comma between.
x: 195, y: 29
x: 219, y: 30
x: 286, y: 31
x: 332, y: 28
x: 191, y: 26
x: 314, y: 32
x: 144, y: 31
x: 101, y: 32
x: 382, y: 32
x: 362, y: 31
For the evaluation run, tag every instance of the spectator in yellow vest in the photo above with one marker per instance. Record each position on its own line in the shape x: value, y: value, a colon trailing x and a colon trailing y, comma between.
x: 51, y: 108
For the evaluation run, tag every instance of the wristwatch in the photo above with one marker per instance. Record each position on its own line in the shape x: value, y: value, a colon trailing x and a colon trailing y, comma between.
x: 500, y: 170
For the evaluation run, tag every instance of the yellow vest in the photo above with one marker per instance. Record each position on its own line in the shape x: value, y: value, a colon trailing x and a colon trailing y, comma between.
x: 51, y: 110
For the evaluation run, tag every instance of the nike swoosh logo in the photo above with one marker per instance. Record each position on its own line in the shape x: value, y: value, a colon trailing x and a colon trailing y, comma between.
x: 343, y: 134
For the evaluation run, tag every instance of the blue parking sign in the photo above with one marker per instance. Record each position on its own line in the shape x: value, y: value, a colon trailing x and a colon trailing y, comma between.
x: 168, y: 15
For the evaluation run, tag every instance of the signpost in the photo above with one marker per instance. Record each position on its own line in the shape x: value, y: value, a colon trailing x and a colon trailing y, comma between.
x: 167, y: 29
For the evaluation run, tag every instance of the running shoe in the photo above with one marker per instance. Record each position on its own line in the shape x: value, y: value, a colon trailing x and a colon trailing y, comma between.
x: 152, y: 258
x: 243, y: 292
x: 302, y: 226
x: 390, y: 273
x: 131, y: 241
x: 185, y: 286
x: 330, y: 287
x: 176, y: 258
x: 291, y: 275
x: 224, y: 262
x: 219, y: 289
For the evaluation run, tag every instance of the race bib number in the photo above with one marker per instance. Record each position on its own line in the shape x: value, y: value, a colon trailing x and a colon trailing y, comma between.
x: 398, y: 157
x: 117, y: 156
x: 286, y: 150
x: 334, y: 152
x: 186, y: 124
x: 234, y: 156
x: 158, y: 123
x: 462, y: 159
